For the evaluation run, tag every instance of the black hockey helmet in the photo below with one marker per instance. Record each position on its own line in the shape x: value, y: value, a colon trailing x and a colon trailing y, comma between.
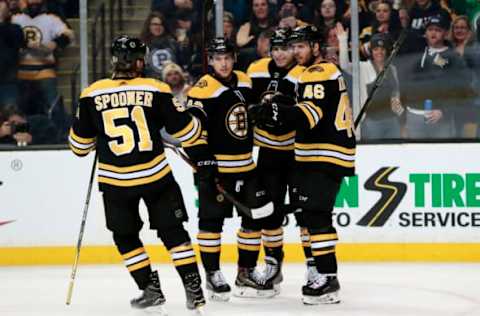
x: 125, y: 51
x: 280, y: 37
x: 307, y: 33
x: 220, y: 45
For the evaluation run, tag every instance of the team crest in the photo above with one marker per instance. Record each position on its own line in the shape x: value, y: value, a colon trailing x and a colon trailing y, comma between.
x: 201, y: 84
x: 236, y: 121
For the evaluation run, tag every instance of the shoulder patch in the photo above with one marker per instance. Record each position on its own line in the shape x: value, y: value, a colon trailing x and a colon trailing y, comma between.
x: 202, y: 83
x: 320, y: 72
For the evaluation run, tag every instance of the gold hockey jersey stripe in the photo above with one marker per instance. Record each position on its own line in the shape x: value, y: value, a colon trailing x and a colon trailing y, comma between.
x: 129, y: 169
x: 190, y: 133
x: 313, y: 113
x: 263, y: 138
x: 136, y: 181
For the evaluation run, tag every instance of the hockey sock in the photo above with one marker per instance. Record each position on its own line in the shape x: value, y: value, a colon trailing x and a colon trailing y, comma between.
x: 135, y: 258
x: 184, y: 259
x: 273, y: 243
x: 323, y: 250
x: 248, y: 247
x: 305, y: 237
x: 210, y: 245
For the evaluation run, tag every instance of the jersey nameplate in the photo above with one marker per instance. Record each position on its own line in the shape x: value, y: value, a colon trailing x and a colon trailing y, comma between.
x: 123, y: 98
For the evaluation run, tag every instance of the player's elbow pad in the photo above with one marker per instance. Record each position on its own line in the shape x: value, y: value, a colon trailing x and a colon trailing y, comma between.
x: 198, y: 113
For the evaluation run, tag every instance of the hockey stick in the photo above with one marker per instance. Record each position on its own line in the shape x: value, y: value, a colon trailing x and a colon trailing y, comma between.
x: 254, y: 213
x: 82, y: 229
x: 379, y: 80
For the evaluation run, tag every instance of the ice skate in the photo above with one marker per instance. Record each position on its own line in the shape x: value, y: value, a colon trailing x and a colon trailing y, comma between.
x: 273, y: 272
x: 250, y: 283
x: 152, y: 299
x: 194, y: 293
x: 217, y: 287
x: 322, y: 289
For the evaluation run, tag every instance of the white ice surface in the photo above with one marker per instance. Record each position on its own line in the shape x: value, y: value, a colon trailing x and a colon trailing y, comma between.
x: 367, y: 289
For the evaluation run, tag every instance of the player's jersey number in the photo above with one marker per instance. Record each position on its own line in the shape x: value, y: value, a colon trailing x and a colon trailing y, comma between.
x: 126, y: 144
x: 343, y: 118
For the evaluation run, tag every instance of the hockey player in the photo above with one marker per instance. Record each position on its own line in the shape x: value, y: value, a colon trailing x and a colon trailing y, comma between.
x: 271, y: 76
x: 122, y: 118
x: 220, y: 99
x: 324, y: 154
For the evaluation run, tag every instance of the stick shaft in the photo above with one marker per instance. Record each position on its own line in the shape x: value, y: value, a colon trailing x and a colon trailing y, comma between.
x: 80, y: 235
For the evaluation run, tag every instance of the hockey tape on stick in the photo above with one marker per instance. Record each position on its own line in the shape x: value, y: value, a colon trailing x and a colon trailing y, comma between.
x: 254, y: 213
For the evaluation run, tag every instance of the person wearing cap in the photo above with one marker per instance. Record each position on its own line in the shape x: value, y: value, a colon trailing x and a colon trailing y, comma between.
x: 174, y: 76
x: 382, y: 119
x: 229, y: 29
x: 288, y: 16
x: 437, y: 79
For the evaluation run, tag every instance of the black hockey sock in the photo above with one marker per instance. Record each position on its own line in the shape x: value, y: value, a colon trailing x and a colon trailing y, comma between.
x: 210, y: 245
x: 305, y: 237
x: 135, y: 258
x: 273, y: 243
x: 248, y: 247
x: 323, y: 250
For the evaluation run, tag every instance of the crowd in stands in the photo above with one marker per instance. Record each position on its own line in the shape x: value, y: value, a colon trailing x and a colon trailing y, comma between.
x: 430, y: 91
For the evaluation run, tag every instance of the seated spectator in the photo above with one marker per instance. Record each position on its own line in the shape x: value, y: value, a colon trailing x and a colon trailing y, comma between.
x: 11, y: 40
x: 382, y: 116
x: 260, y: 21
x: 333, y: 47
x: 261, y: 50
x: 462, y: 38
x: 162, y: 46
x: 327, y: 15
x: 15, y: 6
x: 229, y: 28
x: 404, y: 17
x: 174, y: 76
x: 32, y: 130
x: 438, y: 78
x: 45, y: 33
x: 5, y: 130
x: 385, y: 21
x: 288, y: 16
x: 182, y: 25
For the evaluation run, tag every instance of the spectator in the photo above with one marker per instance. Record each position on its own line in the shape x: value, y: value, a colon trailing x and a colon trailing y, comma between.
x: 5, y: 130
x: 431, y: 79
x: 11, y: 40
x: 288, y: 16
x: 32, y: 130
x: 332, y: 49
x: 259, y: 22
x: 382, y: 119
x: 462, y: 38
x: 184, y: 36
x: 386, y: 21
x: 162, y: 46
x: 422, y: 11
x: 229, y: 28
x: 44, y: 34
x: 15, y: 6
x: 404, y: 17
x: 174, y: 76
x: 327, y: 15
x: 261, y: 50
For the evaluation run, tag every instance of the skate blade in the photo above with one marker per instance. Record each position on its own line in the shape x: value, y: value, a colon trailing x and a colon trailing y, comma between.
x: 198, y: 311
x: 248, y: 292
x: 218, y: 297
x: 157, y: 310
x: 329, y: 298
x: 277, y: 289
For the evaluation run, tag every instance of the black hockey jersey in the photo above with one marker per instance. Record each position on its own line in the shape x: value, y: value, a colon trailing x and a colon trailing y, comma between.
x: 228, y: 136
x: 122, y: 118
x: 329, y: 142
x: 268, y: 78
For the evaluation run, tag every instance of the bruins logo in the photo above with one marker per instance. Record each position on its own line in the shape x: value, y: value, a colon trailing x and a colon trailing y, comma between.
x: 201, y: 84
x: 236, y: 121
x: 32, y: 34
x: 316, y: 69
